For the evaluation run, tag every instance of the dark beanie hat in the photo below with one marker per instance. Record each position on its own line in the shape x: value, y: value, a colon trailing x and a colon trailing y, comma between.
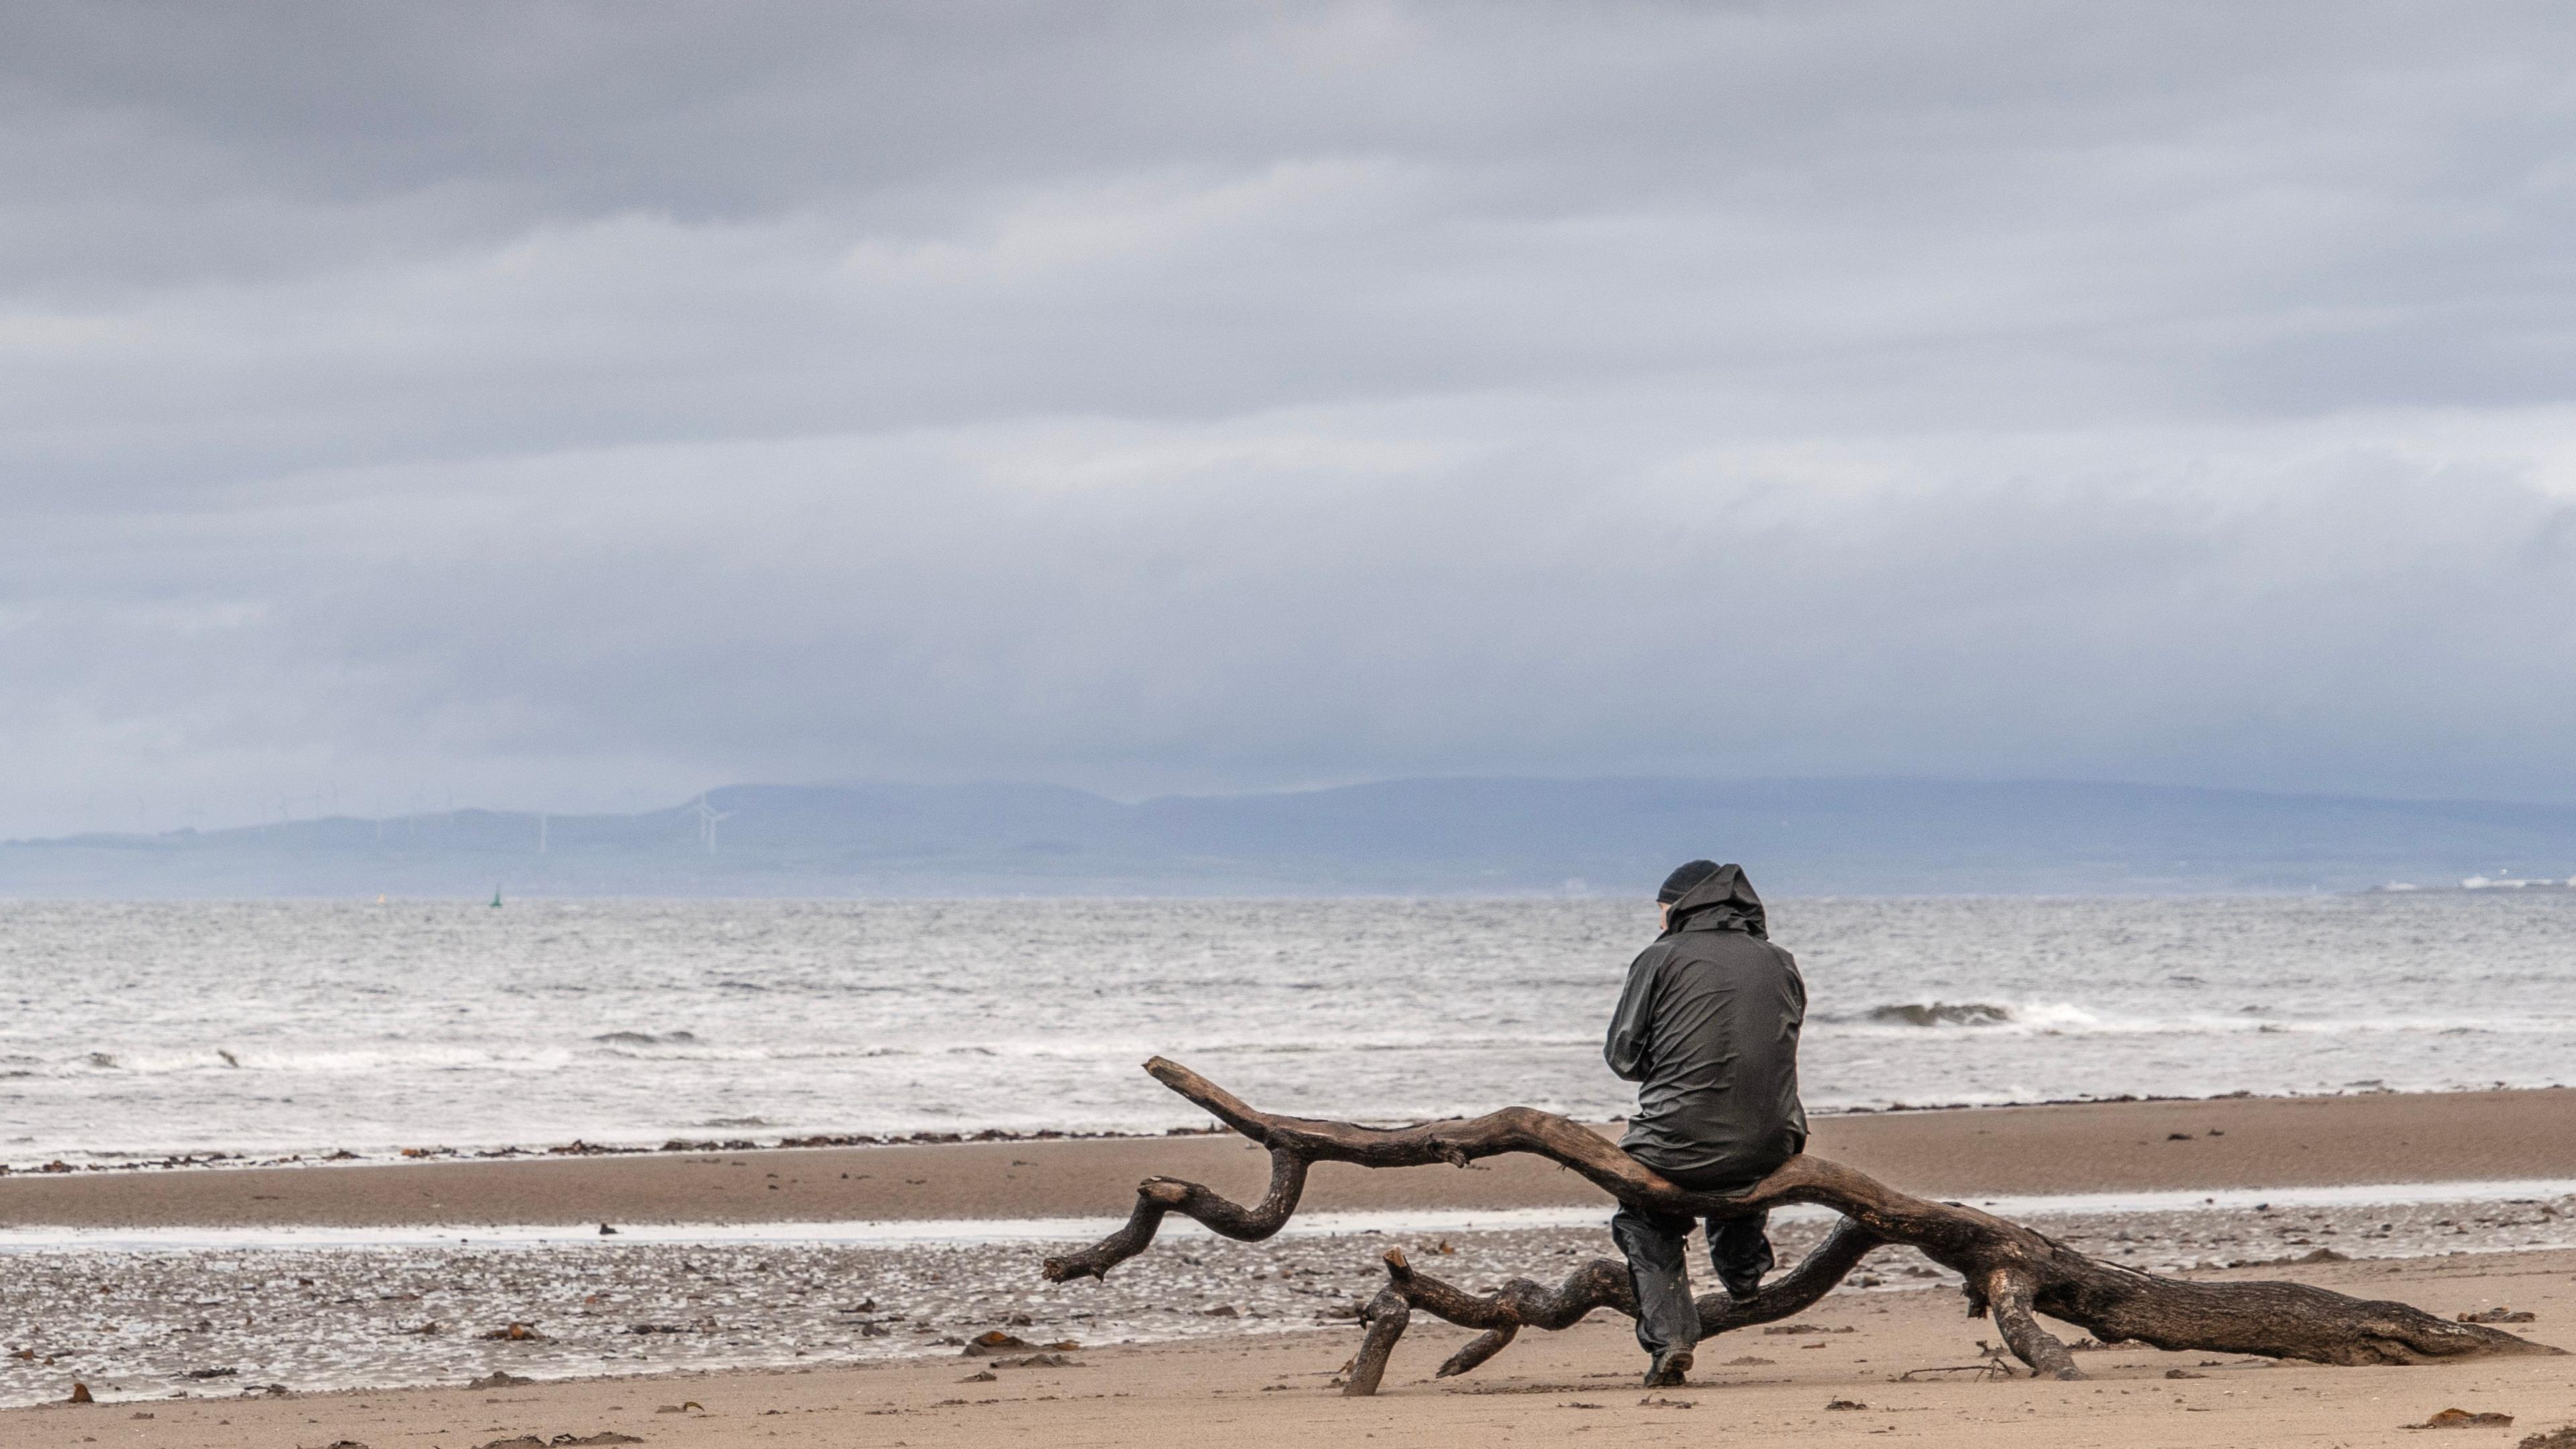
x: 1683, y: 878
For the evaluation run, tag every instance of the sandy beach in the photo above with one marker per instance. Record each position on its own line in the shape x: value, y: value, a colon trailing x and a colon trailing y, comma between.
x: 796, y: 1335
x: 1546, y: 1390
x: 2244, y: 1142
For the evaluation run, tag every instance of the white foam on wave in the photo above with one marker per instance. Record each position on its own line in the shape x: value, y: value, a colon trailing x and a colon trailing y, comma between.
x: 1910, y: 1020
x: 346, y: 1061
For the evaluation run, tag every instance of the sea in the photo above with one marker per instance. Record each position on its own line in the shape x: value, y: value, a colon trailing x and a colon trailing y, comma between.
x: 142, y: 1031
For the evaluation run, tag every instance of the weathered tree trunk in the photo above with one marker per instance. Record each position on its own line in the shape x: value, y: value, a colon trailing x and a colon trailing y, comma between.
x: 2013, y: 1274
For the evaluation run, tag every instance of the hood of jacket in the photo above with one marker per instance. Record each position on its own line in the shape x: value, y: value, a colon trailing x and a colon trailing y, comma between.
x: 1723, y: 902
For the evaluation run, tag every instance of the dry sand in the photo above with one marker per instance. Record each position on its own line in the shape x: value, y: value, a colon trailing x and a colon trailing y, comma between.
x: 2250, y: 1142
x: 1547, y: 1389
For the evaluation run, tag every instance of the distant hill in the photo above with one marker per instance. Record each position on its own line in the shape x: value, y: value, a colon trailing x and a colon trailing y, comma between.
x: 1421, y: 836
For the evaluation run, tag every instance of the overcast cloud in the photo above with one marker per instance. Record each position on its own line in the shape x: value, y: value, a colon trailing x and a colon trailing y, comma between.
x: 581, y: 405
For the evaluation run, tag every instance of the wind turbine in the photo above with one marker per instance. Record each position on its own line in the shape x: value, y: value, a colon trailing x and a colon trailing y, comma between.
x: 708, y: 815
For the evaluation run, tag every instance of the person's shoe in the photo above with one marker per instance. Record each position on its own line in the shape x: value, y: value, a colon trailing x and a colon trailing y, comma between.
x: 1742, y: 1290
x: 1671, y: 1370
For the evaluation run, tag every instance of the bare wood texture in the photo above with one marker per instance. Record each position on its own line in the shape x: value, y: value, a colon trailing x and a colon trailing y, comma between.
x: 2013, y: 1273
x: 1603, y: 1283
x: 1386, y: 1317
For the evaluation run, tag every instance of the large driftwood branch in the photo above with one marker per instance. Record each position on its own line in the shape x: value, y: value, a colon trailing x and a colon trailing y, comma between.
x: 2013, y: 1274
x: 1601, y: 1283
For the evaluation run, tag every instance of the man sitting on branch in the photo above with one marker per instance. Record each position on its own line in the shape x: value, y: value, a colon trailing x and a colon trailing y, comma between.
x: 1708, y: 1029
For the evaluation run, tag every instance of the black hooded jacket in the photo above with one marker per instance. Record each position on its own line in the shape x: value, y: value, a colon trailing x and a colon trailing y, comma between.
x: 1708, y: 1029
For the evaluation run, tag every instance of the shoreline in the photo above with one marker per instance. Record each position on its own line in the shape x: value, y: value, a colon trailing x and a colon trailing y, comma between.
x: 221, y: 1160
x: 2137, y: 1145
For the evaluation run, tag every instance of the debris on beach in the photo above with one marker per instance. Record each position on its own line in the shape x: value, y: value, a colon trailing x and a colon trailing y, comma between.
x: 80, y: 1394
x: 2500, y: 1314
x: 2563, y: 1438
x: 1990, y: 1369
x: 2463, y: 1419
x: 985, y: 1345
x: 1834, y: 1405
x: 1038, y: 1360
x: 498, y: 1379
x: 519, y: 1333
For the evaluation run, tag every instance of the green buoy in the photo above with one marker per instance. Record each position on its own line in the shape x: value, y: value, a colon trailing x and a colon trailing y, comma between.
x: 496, y: 898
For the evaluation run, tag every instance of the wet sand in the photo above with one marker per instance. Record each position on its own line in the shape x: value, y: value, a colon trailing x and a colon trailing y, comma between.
x: 1572, y: 1387
x: 2251, y: 1142
x: 147, y: 1320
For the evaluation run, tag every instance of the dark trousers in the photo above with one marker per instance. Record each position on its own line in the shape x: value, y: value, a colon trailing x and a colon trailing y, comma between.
x: 1657, y: 1248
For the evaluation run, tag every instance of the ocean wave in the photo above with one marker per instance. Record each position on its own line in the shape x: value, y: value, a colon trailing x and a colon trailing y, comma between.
x: 2033, y: 1017
x: 1939, y: 1013
x: 1125, y: 1052
x: 646, y: 1038
x: 1899, y: 1020
x: 354, y: 1061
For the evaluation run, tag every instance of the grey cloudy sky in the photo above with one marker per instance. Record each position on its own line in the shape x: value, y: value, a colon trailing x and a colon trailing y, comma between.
x: 579, y: 405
